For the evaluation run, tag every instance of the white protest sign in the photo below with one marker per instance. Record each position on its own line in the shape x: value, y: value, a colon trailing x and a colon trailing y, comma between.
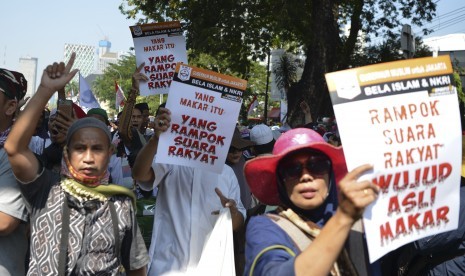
x: 402, y: 117
x: 204, y: 108
x: 160, y: 46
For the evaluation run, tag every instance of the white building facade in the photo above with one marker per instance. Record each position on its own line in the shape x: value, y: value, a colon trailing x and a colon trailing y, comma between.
x: 28, y: 67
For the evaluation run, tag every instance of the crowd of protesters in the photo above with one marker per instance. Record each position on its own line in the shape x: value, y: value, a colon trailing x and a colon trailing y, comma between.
x: 71, y: 186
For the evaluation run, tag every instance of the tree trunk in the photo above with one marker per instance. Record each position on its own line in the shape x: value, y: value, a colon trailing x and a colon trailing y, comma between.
x: 321, y: 57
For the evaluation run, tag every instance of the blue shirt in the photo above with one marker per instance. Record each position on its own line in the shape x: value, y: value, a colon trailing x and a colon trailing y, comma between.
x: 261, y: 233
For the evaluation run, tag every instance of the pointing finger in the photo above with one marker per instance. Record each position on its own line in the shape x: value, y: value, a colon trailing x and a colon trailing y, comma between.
x: 358, y: 171
x: 220, y: 194
x: 70, y: 63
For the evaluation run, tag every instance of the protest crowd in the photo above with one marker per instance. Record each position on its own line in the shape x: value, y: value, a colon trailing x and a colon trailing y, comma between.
x: 81, y: 194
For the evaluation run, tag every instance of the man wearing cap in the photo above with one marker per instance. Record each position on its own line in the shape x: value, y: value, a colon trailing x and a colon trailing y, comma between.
x: 235, y: 159
x: 187, y: 198
x: 263, y: 137
x: 99, y: 114
x: 13, y: 213
x: 80, y: 224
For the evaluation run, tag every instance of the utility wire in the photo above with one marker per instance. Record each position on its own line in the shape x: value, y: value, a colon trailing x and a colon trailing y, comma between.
x: 442, y: 25
x: 459, y: 18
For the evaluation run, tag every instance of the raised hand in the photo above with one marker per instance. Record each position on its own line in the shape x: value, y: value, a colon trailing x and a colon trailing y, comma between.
x: 162, y: 121
x: 356, y: 195
x: 236, y: 216
x: 225, y: 202
x: 57, y: 75
x: 138, y: 76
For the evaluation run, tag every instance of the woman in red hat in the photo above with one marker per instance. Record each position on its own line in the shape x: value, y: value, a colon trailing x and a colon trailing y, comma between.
x: 308, y: 231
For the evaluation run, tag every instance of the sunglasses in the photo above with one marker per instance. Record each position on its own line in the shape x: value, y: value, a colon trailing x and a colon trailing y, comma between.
x: 315, y: 165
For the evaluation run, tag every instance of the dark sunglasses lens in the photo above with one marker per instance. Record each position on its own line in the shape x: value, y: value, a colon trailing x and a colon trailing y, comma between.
x: 292, y: 170
x: 319, y: 166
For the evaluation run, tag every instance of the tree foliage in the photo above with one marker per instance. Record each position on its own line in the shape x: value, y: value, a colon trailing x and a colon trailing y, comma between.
x: 121, y: 72
x: 104, y: 85
x: 256, y: 77
x: 285, y: 72
x: 388, y: 50
x: 242, y: 31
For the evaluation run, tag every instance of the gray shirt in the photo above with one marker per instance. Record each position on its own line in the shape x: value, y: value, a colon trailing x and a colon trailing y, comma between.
x: 13, y: 247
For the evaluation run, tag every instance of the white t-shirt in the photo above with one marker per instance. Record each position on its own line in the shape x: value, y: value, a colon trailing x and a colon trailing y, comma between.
x: 183, y: 220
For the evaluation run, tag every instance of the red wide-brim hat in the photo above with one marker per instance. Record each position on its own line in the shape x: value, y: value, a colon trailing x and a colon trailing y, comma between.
x: 260, y: 172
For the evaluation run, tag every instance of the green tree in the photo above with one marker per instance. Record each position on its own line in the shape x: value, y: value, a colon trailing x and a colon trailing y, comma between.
x: 104, y: 86
x: 286, y: 72
x: 256, y: 76
x: 72, y: 88
x: 458, y: 84
x: 240, y: 31
x: 459, y: 71
x: 388, y: 50
x: 121, y: 72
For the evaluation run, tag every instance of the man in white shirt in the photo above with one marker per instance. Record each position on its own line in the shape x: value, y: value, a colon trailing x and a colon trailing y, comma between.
x: 186, y: 202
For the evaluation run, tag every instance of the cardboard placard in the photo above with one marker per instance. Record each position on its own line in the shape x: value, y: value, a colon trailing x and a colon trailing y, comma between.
x: 160, y: 46
x: 204, y: 108
x: 403, y: 117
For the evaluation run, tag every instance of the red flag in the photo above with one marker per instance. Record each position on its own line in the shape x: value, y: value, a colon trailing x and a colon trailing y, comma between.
x: 120, y: 98
x: 252, y: 105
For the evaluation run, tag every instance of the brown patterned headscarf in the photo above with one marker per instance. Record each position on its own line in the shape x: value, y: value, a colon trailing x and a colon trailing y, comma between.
x: 12, y: 84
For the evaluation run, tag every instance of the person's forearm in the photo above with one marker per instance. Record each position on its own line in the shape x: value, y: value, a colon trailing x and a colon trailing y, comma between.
x: 142, y: 169
x: 124, y: 125
x: 237, y: 219
x: 319, y: 257
x: 7, y: 224
x: 23, y: 162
